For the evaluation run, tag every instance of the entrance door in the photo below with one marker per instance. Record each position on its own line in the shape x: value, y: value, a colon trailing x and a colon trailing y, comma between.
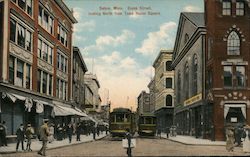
x: 235, y: 115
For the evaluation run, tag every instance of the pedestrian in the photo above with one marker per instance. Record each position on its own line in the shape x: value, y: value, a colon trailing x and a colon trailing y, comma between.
x: 59, y: 132
x: 29, y: 135
x: 246, y: 142
x: 167, y: 131
x: 128, y: 136
x: 159, y: 132
x: 230, y: 138
x: 51, y: 131
x: 20, y: 136
x: 98, y: 130
x: 94, y: 131
x: 44, y: 133
x: 2, y: 130
x: 4, y: 134
x: 78, y: 132
x: 69, y: 131
x: 237, y: 133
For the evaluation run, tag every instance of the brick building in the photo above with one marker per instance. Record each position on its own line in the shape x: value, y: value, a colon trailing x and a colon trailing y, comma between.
x: 227, y: 63
x: 35, y: 57
x: 143, y: 102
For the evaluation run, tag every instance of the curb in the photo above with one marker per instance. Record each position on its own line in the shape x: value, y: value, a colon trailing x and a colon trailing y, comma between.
x: 12, y: 152
x: 193, y: 143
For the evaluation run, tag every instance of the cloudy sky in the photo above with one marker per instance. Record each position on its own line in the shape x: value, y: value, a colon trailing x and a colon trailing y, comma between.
x: 120, y: 49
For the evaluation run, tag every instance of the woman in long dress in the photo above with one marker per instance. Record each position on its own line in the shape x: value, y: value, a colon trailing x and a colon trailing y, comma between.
x: 246, y: 142
x: 230, y: 139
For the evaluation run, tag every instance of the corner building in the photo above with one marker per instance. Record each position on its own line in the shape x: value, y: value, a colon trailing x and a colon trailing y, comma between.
x: 211, y: 60
x: 35, y: 54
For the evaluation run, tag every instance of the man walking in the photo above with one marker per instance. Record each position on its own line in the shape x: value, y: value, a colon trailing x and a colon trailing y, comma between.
x: 29, y: 134
x: 20, y: 136
x: 44, y: 133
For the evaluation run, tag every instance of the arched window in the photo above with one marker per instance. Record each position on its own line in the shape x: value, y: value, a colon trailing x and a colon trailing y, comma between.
x: 168, y: 100
x: 233, y: 44
x: 179, y: 87
x: 186, y: 82
x: 195, y: 74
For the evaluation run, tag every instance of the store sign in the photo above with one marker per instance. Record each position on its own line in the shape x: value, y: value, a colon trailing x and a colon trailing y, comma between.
x: 192, y: 100
x: 234, y: 119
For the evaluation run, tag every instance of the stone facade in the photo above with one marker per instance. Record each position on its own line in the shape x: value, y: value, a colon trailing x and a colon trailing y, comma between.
x: 143, y: 102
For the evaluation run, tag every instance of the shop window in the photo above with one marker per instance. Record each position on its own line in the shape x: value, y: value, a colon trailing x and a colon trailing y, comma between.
x: 233, y: 44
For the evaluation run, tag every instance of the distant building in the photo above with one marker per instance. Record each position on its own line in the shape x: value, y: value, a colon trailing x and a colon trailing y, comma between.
x: 79, y: 69
x: 143, y: 101
x: 93, y: 85
x: 164, y: 89
x: 151, y: 87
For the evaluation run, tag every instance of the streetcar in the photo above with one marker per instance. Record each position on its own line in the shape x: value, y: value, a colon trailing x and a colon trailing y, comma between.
x: 121, y: 119
x: 147, y: 125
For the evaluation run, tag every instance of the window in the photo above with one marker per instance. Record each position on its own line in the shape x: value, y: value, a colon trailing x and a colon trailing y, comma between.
x: 45, y: 20
x: 168, y: 66
x: 62, y: 35
x: 195, y: 74
x: 179, y: 87
x: 61, y: 89
x: 62, y: 62
x: 25, y: 5
x: 28, y: 74
x: 28, y: 40
x: 228, y: 76
x: 19, y: 79
x: 39, y: 74
x: 11, y: 69
x: 226, y: 8
x: 240, y: 8
x: 233, y: 44
x: 168, y: 82
x: 12, y: 30
x: 20, y: 35
x: 57, y: 87
x: 240, y: 76
x: 186, y: 82
x: 168, y: 100
x: 45, y: 51
x: 44, y: 82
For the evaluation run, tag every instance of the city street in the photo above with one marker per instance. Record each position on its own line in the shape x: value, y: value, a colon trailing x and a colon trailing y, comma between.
x: 144, y: 147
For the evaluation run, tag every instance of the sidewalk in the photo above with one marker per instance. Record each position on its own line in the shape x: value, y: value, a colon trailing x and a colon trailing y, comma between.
x: 36, y: 144
x: 190, y: 140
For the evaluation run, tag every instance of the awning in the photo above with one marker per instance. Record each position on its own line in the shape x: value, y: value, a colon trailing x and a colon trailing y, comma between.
x: 242, y: 106
x: 67, y: 111
x: 89, y: 118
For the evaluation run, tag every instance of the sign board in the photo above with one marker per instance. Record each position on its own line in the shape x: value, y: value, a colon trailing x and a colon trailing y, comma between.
x: 234, y: 119
x: 125, y: 143
x: 192, y: 100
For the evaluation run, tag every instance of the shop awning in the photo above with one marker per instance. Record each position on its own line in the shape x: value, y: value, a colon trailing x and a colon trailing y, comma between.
x: 89, y: 118
x: 67, y: 111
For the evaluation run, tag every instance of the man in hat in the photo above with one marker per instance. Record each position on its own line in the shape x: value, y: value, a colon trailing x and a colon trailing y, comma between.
x: 20, y: 136
x: 44, y: 133
x: 29, y: 134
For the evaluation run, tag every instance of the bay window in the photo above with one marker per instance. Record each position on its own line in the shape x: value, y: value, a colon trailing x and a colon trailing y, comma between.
x: 44, y: 83
x: 46, y: 20
x: 62, y: 35
x: 45, y: 51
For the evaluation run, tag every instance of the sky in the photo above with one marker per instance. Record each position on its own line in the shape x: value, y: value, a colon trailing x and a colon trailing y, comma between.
x: 120, y: 39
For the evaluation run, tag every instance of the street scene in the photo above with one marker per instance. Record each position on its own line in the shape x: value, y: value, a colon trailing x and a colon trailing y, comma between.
x: 124, y: 78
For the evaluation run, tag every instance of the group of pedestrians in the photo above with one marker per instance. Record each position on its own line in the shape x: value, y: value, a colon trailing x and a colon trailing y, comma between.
x: 237, y: 136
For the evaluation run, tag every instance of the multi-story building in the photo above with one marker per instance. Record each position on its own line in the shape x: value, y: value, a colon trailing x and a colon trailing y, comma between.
x: 164, y: 89
x: 143, y: 102
x: 211, y: 60
x: 151, y: 87
x: 93, y: 90
x: 227, y: 63
x: 79, y: 69
x: 36, y: 55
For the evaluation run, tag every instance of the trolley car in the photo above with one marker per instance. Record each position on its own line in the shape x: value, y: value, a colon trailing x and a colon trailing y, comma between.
x: 121, y: 119
x: 147, y: 125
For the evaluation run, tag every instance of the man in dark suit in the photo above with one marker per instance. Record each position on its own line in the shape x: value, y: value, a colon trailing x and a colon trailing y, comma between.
x: 20, y: 136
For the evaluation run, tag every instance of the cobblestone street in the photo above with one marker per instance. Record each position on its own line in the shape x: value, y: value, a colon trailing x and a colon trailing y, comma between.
x: 144, y: 147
